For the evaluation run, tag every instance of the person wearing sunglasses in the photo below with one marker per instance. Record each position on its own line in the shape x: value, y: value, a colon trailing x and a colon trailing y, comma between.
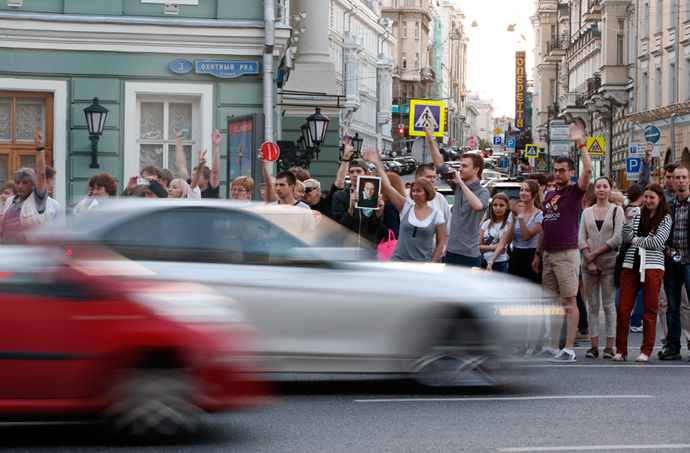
x: 312, y: 197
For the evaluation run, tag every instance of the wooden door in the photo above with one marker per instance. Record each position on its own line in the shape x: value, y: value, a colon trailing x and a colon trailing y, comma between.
x: 19, y: 111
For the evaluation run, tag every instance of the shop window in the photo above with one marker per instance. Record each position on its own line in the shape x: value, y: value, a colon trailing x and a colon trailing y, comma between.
x: 19, y: 112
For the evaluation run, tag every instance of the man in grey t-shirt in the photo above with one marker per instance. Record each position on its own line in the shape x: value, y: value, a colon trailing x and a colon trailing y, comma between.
x: 471, y: 201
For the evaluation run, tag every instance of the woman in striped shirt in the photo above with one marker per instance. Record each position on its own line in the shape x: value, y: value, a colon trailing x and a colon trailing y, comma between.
x: 643, y: 267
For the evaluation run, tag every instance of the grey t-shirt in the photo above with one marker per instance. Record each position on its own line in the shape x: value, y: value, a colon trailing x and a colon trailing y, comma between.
x: 464, y: 227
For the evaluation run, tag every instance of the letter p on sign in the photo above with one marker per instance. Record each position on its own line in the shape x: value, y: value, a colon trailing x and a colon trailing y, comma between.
x: 271, y: 151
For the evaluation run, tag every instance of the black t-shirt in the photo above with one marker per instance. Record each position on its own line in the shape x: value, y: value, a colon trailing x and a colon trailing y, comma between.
x: 209, y: 192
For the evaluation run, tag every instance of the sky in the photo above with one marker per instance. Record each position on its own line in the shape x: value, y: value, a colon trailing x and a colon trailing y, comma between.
x: 491, y: 50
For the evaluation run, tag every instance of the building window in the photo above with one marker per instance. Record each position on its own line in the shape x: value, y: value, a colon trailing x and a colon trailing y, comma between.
x: 657, y: 86
x: 644, y: 91
x: 687, y: 10
x: 19, y: 112
x: 671, y: 83
x: 160, y: 119
x: 620, y: 43
x: 416, y: 30
x: 686, y: 80
x: 404, y: 61
x: 416, y: 61
x: 659, y: 16
x: 404, y: 30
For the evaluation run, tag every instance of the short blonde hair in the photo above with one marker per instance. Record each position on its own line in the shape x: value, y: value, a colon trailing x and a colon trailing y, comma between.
x: 184, y: 187
x: 616, y: 195
x: 245, y: 182
x: 299, y: 185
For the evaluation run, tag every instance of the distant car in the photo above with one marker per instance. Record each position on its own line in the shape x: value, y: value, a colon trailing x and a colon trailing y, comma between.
x: 392, y: 166
x: 511, y: 189
x: 490, y: 175
x: 372, y: 168
x: 149, y: 355
x: 406, y: 166
x: 448, y: 193
x: 412, y: 162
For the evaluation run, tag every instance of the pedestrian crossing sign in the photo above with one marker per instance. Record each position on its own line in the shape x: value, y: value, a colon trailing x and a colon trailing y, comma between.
x: 427, y: 113
x: 532, y: 151
x: 595, y: 146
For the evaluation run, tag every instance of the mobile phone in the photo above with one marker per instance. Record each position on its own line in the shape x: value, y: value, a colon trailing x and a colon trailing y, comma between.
x: 446, y: 176
x: 143, y: 182
x: 633, y: 211
x: 185, y: 131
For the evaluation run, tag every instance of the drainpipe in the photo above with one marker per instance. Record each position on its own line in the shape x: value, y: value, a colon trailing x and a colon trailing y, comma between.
x: 269, y: 43
x: 673, y: 136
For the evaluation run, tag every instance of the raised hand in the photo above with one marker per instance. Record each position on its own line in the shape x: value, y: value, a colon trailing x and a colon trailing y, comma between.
x: 38, y: 136
x: 372, y: 156
x: 576, y: 132
x: 215, y: 136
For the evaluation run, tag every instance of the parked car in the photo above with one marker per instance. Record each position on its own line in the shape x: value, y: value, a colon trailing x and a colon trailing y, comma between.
x: 149, y: 355
x: 448, y: 193
x: 392, y: 166
x: 490, y: 175
x: 407, y: 167
x: 412, y: 162
x: 320, y: 305
x: 511, y: 189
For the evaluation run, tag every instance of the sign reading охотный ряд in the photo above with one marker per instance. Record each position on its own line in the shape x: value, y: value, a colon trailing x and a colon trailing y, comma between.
x: 520, y: 86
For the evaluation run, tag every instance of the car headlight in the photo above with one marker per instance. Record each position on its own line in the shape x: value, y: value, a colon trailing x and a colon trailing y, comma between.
x: 529, y: 309
x: 178, y: 303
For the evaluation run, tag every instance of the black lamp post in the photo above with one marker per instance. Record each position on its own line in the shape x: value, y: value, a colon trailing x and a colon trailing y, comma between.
x: 95, y: 121
x: 318, y: 124
x: 357, y: 142
x: 300, y: 154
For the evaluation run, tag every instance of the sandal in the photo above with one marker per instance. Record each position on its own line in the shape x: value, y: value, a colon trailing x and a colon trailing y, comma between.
x: 608, y: 353
x: 592, y: 352
x: 642, y: 358
x: 619, y: 358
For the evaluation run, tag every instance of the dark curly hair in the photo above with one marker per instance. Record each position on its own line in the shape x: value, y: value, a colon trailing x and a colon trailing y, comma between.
x: 106, y: 181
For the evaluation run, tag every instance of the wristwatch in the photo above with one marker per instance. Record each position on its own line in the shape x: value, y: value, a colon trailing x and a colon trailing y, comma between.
x: 521, y: 216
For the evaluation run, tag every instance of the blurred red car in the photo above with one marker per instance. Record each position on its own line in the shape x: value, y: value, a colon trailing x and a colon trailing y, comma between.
x: 149, y: 356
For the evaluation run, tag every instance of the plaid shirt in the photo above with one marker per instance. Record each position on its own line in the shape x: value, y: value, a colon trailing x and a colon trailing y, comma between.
x: 680, y: 233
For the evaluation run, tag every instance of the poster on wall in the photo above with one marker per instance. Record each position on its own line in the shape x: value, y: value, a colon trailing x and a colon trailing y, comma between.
x: 244, y: 139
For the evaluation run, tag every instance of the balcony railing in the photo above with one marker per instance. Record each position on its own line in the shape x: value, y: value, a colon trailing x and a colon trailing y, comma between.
x: 553, y: 110
x: 582, y: 39
x: 581, y: 98
x: 593, y: 84
x: 558, y: 44
x: 593, y: 4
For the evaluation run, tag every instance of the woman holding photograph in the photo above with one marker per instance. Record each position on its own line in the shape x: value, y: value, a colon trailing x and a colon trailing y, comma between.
x: 419, y: 222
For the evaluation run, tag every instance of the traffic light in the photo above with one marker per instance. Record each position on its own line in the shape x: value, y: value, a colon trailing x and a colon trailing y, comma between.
x: 472, y: 142
x: 462, y: 94
x: 401, y: 131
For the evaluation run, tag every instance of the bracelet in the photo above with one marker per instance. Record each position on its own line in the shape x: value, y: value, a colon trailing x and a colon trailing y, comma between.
x: 40, y: 148
x: 583, y: 145
x: 538, y: 254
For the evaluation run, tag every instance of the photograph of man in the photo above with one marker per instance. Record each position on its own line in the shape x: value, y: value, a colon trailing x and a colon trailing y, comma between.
x: 369, y: 189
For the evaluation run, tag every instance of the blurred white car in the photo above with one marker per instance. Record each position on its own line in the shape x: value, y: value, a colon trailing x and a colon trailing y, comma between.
x: 320, y: 303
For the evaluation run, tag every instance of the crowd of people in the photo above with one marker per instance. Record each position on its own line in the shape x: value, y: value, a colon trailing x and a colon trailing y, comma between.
x: 584, y: 242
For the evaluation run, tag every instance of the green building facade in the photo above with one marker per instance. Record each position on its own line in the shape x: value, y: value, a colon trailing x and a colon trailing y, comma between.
x: 57, y: 55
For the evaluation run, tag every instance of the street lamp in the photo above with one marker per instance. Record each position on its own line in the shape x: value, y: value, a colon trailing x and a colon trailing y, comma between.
x: 318, y: 124
x: 95, y: 121
x: 357, y: 142
x: 306, y: 138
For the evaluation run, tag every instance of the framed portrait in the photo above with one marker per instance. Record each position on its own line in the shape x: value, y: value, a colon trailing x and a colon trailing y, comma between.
x: 369, y: 189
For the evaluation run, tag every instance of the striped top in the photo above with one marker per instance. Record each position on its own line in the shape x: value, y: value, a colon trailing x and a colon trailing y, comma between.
x: 653, y: 245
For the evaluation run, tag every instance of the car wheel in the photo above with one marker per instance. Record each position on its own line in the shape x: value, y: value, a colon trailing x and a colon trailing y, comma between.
x: 456, y: 353
x: 153, y: 403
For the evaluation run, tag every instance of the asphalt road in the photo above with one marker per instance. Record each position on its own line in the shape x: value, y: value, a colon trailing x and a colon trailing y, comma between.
x: 591, y: 405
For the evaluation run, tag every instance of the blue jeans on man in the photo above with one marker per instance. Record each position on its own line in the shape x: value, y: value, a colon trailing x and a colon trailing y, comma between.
x: 675, y: 277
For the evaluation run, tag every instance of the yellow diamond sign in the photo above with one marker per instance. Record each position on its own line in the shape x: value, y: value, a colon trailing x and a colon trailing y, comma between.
x: 497, y: 130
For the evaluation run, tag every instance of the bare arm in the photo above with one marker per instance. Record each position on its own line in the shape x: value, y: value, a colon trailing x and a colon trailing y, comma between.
x: 474, y: 200
x: 397, y: 199
x: 348, y: 149
x: 537, y: 255
x: 270, y: 189
x: 440, y: 231
x: 199, y: 171
x: 41, y: 183
x: 578, y: 135
x: 433, y: 148
x: 214, y: 181
x: 180, y: 160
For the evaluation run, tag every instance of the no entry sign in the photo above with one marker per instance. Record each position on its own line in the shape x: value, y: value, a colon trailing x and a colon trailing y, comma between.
x: 271, y: 151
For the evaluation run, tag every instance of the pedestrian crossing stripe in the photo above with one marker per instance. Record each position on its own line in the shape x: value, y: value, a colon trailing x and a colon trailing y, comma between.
x: 595, y: 146
x: 532, y: 151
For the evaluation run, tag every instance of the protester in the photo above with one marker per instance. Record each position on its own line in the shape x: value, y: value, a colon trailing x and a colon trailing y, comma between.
x: 299, y: 190
x: 550, y: 183
x: 154, y: 188
x: 300, y: 173
x: 312, y: 197
x: 167, y: 177
x: 285, y: 189
x: 678, y: 266
x: 178, y: 188
x: 540, y: 179
x: 643, y: 268
x: 365, y: 222
x: 7, y: 190
x: 209, y: 183
x: 391, y: 215
x: 599, y: 240
x: 101, y: 186
x: 28, y: 206
x: 617, y: 198
x: 471, y: 201
x: 53, y: 207
x: 636, y: 199
x: 491, y: 232
x: 418, y: 221
x: 428, y: 172
x: 241, y: 188
x: 590, y: 197
x: 559, y: 243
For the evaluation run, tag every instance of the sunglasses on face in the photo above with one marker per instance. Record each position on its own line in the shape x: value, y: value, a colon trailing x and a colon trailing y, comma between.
x: 309, y: 189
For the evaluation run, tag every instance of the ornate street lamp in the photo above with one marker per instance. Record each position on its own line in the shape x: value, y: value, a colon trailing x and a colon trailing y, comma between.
x: 357, y: 142
x: 95, y: 121
x: 318, y: 124
x: 306, y: 138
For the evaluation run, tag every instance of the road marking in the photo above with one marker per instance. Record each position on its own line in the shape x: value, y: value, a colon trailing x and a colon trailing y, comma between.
x: 599, y: 447
x: 512, y: 398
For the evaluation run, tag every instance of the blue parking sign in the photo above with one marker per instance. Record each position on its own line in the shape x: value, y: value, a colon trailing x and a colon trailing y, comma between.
x: 497, y: 141
x: 633, y: 164
x: 510, y: 143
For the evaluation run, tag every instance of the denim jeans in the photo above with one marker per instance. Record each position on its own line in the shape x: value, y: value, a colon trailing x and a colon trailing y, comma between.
x: 501, y: 267
x: 676, y: 276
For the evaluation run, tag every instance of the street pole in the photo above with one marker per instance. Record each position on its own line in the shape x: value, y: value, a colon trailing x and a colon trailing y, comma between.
x: 548, y: 145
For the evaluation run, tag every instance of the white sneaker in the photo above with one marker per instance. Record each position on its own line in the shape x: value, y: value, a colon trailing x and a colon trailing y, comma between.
x: 636, y: 329
x: 563, y: 356
x: 529, y: 352
x: 642, y: 358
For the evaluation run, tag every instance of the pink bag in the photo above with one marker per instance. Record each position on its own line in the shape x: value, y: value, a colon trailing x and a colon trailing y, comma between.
x: 387, y: 247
